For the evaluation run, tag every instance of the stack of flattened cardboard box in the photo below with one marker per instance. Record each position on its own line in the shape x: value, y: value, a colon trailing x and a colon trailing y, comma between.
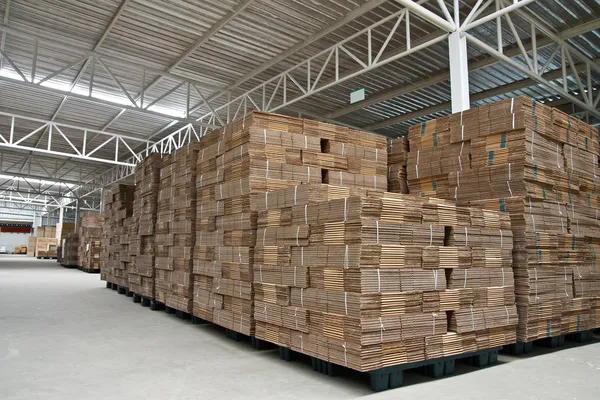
x: 237, y: 167
x: 539, y: 166
x: 70, y: 250
x: 114, y: 260
x: 89, y: 234
x: 397, y: 159
x: 176, y: 229
x: 141, y: 240
x: 380, y: 279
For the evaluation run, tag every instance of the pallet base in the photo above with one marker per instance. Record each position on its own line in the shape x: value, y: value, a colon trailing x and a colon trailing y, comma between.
x: 46, y: 258
x: 70, y: 266
x: 88, y: 270
x: 145, y: 301
x: 393, y: 377
x: 520, y: 348
x: 178, y: 313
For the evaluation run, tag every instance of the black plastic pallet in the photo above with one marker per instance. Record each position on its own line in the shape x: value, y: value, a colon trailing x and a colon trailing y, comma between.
x: 178, y: 313
x: 393, y: 377
x: 46, y: 258
x: 70, y: 266
x: 551, y: 342
x: 145, y: 301
x: 89, y: 270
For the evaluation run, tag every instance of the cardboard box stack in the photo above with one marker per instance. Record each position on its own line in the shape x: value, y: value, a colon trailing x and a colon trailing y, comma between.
x: 141, y: 239
x: 539, y: 166
x: 236, y: 167
x: 70, y: 250
x: 89, y: 235
x: 397, y: 159
x: 114, y: 259
x: 63, y: 230
x: 379, y: 279
x: 31, y: 243
x: 176, y: 229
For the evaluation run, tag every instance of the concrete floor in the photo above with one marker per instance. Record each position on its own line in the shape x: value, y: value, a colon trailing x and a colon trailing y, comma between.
x: 64, y: 335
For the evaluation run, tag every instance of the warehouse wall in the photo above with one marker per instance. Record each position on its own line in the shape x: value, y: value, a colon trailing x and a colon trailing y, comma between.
x: 12, y: 240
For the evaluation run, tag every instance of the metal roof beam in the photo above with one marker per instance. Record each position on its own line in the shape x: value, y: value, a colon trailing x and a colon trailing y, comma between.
x: 355, y: 13
x: 97, y: 100
x: 288, y: 90
x: 113, y: 145
x: 486, y: 94
x: 441, y: 76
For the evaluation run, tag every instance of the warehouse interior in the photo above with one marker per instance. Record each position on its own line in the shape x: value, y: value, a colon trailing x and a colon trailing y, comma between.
x: 90, y: 91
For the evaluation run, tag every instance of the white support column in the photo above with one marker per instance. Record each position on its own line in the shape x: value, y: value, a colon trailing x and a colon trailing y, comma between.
x: 60, y: 215
x: 459, y: 71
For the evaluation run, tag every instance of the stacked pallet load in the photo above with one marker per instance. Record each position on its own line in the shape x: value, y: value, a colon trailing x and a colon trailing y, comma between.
x: 70, y: 250
x: 381, y: 279
x: 89, y: 233
x: 114, y: 260
x: 237, y: 167
x: 141, y: 240
x: 539, y: 166
x: 175, y: 229
x: 397, y: 159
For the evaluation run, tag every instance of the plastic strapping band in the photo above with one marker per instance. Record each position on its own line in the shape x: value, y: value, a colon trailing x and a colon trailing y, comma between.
x: 417, y: 163
x: 346, y: 302
x: 346, y: 258
x: 345, y: 356
x: 374, y: 181
x: 557, y: 160
x: 501, y: 239
x: 221, y: 191
x: 306, y: 214
x: 378, y: 281
x: 342, y: 149
x: 267, y: 171
x: 472, y: 319
x: 571, y: 158
x: 460, y: 155
x: 297, y: 233
x: 295, y: 275
x: 265, y: 135
x: 502, y: 276
x: 465, y: 281
x: 430, y: 235
x: 305, y: 142
x: 433, y: 315
x: 341, y: 178
x: 260, y: 270
x: 536, y: 286
x: 266, y: 316
x: 377, y: 225
x: 302, y: 256
x: 264, y: 235
x: 296, y: 316
x: 509, y: 175
x: 507, y: 315
x: 302, y: 297
x: 466, y: 237
x: 201, y: 177
x: 512, y: 105
x: 295, y: 193
x: 435, y: 279
x: 381, y: 329
x: 376, y: 154
x: 267, y: 201
x: 241, y: 187
x: 462, y: 133
x: 240, y: 254
x: 533, y: 222
x: 345, y: 210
